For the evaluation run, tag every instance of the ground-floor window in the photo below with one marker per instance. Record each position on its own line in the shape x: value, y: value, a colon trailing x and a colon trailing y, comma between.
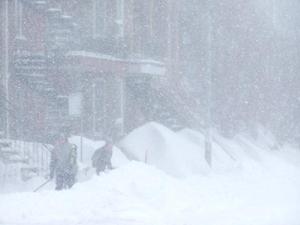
x: 98, y: 106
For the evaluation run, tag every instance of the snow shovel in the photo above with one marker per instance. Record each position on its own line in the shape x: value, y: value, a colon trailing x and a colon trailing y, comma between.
x: 42, y: 185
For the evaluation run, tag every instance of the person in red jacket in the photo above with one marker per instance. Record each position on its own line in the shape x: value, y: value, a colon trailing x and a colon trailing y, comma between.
x: 101, y: 158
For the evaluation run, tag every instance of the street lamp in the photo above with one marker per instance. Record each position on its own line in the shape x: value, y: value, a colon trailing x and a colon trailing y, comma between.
x: 6, y: 65
x: 208, y: 144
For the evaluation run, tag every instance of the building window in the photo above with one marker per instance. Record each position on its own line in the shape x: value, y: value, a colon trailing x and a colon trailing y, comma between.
x: 120, y: 18
x: 100, y: 17
x: 19, y: 19
x: 99, y: 105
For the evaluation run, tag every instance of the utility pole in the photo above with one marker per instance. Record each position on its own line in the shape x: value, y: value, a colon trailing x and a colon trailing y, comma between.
x: 122, y: 99
x: 94, y: 22
x: 6, y: 66
x: 272, y: 73
x: 81, y: 138
x: 272, y: 40
x: 208, y: 144
x: 94, y: 107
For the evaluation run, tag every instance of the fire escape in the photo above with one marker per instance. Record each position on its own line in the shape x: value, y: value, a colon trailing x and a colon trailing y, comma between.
x: 37, y: 70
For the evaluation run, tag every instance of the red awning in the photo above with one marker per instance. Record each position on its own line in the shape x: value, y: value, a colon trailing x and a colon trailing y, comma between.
x: 88, y: 62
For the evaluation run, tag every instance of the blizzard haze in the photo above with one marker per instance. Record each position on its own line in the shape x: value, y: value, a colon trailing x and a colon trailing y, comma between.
x: 149, y: 112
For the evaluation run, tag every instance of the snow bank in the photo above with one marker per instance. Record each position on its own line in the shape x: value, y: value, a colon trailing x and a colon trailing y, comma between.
x: 222, y: 158
x: 229, y: 154
x: 165, y: 149
x: 258, y: 185
x: 244, y: 152
x: 143, y: 195
x: 265, y: 139
x: 181, y: 154
x: 120, y: 197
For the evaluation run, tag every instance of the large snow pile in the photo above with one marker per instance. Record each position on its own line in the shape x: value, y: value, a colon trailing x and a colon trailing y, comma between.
x: 222, y: 158
x: 141, y: 194
x: 182, y: 153
x: 244, y: 152
x: 250, y: 183
x: 168, y: 151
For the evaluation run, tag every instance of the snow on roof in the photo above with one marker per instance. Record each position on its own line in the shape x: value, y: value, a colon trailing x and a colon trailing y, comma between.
x: 146, y: 66
x: 92, y: 55
x: 153, y: 69
x: 149, y: 61
x: 54, y: 10
x: 66, y: 17
x: 110, y: 57
x: 40, y: 2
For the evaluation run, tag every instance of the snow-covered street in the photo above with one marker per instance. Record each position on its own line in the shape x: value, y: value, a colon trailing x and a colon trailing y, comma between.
x: 141, y: 194
x: 260, y: 190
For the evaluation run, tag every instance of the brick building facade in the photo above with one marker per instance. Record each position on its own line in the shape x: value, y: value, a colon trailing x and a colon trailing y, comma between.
x: 87, y: 64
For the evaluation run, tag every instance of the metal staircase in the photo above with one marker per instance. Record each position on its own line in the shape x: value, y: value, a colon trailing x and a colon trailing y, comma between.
x: 34, y: 70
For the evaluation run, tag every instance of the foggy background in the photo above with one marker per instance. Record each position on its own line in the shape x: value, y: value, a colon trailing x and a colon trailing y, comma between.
x: 196, y: 103
x: 231, y: 65
x: 254, y: 63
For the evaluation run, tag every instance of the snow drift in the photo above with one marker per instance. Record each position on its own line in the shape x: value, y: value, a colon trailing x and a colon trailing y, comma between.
x: 250, y: 183
x: 143, y: 195
x: 165, y: 149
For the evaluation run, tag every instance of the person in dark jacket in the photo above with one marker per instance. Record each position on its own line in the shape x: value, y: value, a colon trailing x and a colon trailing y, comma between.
x: 101, y: 158
x: 63, y: 163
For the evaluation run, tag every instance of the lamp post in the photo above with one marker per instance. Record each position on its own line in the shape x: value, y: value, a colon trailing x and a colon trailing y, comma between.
x: 207, y: 142
x: 6, y: 66
x: 94, y: 108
